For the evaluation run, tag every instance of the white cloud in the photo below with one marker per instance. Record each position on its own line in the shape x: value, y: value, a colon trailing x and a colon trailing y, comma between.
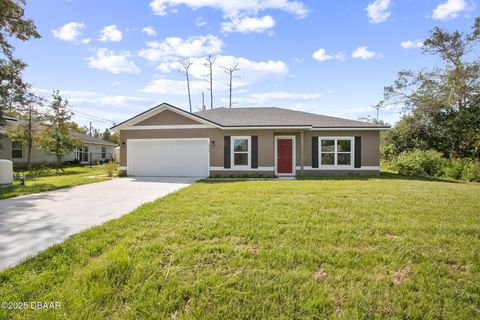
x: 363, y: 53
x: 95, y: 98
x: 200, y: 21
x: 378, y: 11
x: 174, y: 47
x: 174, y: 87
x: 71, y: 32
x: 449, y: 9
x: 149, y: 31
x: 321, y: 55
x: 110, y: 33
x: 248, y: 24
x: 250, y: 72
x: 409, y: 44
x: 116, y: 63
x: 233, y: 7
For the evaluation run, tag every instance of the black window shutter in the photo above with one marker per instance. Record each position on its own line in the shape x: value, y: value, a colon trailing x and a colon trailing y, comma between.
x: 226, y: 152
x: 314, y: 152
x: 358, y: 152
x: 254, y: 152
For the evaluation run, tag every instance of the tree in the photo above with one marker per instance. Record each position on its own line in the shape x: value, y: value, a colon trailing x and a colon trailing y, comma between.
x: 27, y: 129
x: 440, y: 106
x: 230, y: 70
x: 55, y: 136
x: 12, y: 25
x: 210, y: 60
x: 184, y: 67
x: 107, y: 136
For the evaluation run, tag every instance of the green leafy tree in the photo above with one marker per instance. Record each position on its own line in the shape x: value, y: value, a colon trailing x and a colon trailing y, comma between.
x: 107, y: 135
x: 440, y: 105
x: 55, y: 136
x: 12, y: 25
x: 27, y: 129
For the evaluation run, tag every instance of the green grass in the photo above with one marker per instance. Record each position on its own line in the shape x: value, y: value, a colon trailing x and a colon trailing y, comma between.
x: 347, y: 248
x: 72, y: 176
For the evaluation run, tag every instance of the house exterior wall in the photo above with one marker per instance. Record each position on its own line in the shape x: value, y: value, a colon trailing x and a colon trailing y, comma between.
x: 38, y: 156
x: 166, y: 117
x: 370, y: 157
x: 43, y: 157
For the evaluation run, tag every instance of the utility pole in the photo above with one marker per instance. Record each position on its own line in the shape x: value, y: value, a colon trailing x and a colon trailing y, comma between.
x: 90, y: 128
x: 203, y: 102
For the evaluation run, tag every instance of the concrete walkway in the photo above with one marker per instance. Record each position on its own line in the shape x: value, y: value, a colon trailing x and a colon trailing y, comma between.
x: 32, y: 223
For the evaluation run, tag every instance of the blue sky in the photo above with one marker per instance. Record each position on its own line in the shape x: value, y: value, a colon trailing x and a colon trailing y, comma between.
x: 114, y: 59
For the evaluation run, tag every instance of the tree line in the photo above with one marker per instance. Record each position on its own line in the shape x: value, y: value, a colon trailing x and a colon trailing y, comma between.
x: 440, y: 106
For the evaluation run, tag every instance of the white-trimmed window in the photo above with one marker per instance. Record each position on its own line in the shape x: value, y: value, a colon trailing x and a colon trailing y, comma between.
x: 104, y: 152
x: 336, y: 151
x: 17, y: 150
x: 241, y: 152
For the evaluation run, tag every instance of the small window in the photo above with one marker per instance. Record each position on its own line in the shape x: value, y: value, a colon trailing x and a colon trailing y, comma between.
x: 17, y: 150
x: 335, y: 151
x: 104, y: 152
x: 241, y: 151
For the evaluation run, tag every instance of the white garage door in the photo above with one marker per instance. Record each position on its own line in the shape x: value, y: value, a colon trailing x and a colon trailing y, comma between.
x: 168, y: 157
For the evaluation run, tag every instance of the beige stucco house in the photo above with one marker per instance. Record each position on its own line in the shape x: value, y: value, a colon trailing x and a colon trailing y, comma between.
x: 168, y: 141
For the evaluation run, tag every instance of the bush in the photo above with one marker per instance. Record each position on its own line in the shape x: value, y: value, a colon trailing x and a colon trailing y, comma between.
x: 471, y: 171
x: 111, y: 167
x: 421, y: 163
x: 42, y: 171
x: 455, y: 168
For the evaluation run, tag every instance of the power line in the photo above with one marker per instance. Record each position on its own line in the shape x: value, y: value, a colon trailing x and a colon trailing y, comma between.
x: 85, y: 115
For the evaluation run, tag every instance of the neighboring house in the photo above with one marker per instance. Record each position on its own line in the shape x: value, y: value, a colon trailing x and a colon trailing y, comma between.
x: 168, y: 141
x: 92, y: 149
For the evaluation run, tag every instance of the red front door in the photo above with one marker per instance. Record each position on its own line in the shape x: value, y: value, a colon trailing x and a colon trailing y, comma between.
x: 284, y: 156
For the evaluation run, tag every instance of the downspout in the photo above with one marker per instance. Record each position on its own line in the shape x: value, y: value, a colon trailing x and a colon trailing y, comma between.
x: 301, y: 151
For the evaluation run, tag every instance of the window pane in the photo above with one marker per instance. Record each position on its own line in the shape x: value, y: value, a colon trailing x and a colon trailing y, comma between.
x: 328, y: 145
x: 17, y: 154
x: 328, y: 158
x: 240, y: 145
x: 16, y: 145
x: 344, y: 145
x: 343, y: 159
x: 240, y: 159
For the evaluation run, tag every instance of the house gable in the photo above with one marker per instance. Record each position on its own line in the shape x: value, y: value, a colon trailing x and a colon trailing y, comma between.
x: 166, y: 117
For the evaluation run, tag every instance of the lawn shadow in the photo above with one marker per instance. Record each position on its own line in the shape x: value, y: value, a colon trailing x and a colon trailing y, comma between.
x: 382, y: 176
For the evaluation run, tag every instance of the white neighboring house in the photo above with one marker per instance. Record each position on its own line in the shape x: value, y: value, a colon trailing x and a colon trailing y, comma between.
x: 92, y: 151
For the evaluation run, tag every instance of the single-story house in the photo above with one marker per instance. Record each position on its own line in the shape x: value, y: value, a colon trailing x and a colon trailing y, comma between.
x: 92, y: 150
x: 169, y: 141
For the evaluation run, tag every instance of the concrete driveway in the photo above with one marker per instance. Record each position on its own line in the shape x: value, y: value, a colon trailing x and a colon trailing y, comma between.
x: 32, y: 223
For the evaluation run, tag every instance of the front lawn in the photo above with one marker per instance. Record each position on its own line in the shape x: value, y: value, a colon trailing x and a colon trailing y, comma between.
x: 387, y: 247
x: 71, y: 176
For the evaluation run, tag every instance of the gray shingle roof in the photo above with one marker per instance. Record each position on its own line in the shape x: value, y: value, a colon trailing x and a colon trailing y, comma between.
x: 82, y: 137
x: 239, y: 117
x: 89, y: 139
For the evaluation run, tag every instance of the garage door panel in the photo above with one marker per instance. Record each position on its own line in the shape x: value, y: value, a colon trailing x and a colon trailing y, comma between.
x: 172, y: 157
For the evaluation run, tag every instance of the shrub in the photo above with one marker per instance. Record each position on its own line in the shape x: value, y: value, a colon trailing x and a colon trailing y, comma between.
x: 421, y: 163
x: 455, y: 168
x: 111, y: 167
x: 42, y: 171
x: 471, y: 171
